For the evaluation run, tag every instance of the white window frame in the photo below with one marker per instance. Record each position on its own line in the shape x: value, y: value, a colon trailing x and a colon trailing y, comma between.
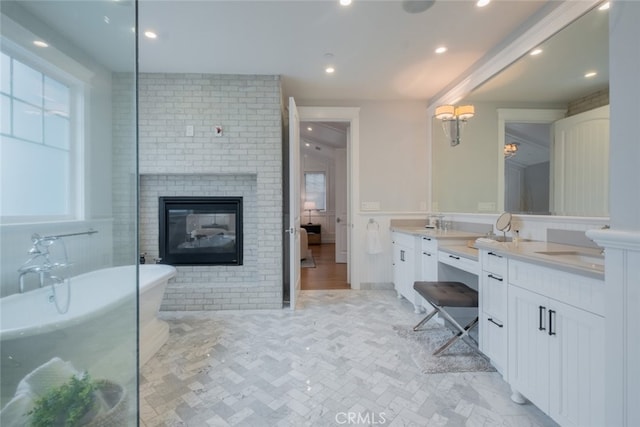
x: 326, y: 188
x: 76, y: 210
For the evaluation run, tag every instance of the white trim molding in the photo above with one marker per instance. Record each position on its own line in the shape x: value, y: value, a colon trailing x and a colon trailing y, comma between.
x: 622, y: 386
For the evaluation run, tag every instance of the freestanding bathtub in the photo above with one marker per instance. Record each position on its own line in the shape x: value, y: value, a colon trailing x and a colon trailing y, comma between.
x: 96, y: 334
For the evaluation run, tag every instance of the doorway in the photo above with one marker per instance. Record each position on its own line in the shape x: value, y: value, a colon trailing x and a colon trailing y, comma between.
x: 323, y: 188
x: 334, y: 136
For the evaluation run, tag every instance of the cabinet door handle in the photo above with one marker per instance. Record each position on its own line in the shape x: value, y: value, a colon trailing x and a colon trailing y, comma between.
x: 552, y: 314
x: 541, y: 311
x: 454, y: 257
x: 495, y: 323
x: 426, y: 253
x: 401, y: 255
x: 426, y: 238
x: 494, y: 254
x: 491, y: 276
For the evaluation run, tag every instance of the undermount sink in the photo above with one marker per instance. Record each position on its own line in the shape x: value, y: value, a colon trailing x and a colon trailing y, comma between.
x: 576, y: 256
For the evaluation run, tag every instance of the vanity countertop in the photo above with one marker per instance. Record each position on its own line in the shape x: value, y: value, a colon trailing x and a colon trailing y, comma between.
x: 435, y: 234
x: 573, y: 259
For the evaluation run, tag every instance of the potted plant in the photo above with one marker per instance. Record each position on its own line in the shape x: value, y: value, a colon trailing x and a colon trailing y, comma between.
x: 81, y: 401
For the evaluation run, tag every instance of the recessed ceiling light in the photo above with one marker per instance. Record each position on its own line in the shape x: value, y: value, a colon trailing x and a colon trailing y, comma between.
x: 329, y: 70
x: 40, y: 43
x: 441, y: 49
x: 345, y: 2
x: 483, y: 3
x: 309, y: 128
x: 150, y: 34
x: 605, y: 6
x: 590, y: 74
x: 536, y: 51
x: 306, y: 144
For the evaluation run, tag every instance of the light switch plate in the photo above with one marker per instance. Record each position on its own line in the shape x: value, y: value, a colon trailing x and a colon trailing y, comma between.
x: 190, y: 130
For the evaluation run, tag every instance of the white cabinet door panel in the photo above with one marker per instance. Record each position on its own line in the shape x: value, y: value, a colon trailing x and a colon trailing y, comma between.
x: 577, y: 367
x: 529, y: 345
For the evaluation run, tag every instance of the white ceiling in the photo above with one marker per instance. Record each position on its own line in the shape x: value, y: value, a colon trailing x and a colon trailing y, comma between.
x: 379, y: 50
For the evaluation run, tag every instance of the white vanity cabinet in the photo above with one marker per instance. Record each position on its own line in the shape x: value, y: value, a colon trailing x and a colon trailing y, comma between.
x: 406, y: 267
x: 492, y: 309
x: 556, y: 342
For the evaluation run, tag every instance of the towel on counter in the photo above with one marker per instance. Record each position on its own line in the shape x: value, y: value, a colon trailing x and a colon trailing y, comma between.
x: 32, y: 387
x: 374, y: 246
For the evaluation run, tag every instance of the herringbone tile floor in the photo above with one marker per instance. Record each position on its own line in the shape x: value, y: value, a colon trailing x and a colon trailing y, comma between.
x: 335, y: 361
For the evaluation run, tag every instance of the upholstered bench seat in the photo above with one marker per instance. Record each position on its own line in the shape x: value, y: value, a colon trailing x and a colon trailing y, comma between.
x: 447, y: 294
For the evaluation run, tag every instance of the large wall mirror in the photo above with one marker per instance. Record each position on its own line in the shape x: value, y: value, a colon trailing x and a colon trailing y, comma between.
x: 553, y: 113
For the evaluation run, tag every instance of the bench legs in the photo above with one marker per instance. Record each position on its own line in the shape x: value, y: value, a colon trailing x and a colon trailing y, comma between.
x: 463, y: 332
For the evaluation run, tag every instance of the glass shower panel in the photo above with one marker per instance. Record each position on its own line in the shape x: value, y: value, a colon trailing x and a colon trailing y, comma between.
x: 68, y: 211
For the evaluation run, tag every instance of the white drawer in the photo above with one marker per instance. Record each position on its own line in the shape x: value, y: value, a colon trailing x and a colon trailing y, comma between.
x: 493, y: 336
x: 494, y: 263
x: 493, y: 292
x: 429, y: 245
x: 459, y: 262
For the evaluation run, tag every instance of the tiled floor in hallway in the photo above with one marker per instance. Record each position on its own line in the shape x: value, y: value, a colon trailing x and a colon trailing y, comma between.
x: 335, y: 361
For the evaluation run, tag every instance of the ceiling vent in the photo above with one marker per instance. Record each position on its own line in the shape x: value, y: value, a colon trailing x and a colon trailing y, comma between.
x: 417, y: 6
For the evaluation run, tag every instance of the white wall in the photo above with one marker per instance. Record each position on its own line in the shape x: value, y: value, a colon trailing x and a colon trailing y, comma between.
x: 393, y: 140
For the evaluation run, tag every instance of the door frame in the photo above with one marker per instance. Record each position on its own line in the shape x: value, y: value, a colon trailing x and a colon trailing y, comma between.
x: 352, y: 116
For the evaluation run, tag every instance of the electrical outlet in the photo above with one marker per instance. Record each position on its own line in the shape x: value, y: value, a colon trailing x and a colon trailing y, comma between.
x: 190, y: 130
x: 370, y: 206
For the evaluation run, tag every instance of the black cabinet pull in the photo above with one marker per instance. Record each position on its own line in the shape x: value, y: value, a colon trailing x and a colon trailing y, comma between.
x: 495, y: 323
x: 454, y: 257
x: 426, y: 238
x: 552, y: 314
x: 541, y: 310
x: 494, y: 254
x: 491, y: 276
x: 426, y: 253
x: 401, y: 255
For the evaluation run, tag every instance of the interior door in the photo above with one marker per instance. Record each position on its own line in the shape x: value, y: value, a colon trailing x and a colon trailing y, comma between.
x: 294, y: 203
x: 342, y: 222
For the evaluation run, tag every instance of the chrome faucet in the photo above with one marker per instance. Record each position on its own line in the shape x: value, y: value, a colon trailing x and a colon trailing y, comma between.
x: 30, y: 269
x: 39, y: 251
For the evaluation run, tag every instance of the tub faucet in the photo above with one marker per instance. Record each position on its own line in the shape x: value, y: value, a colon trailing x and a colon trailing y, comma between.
x: 36, y: 269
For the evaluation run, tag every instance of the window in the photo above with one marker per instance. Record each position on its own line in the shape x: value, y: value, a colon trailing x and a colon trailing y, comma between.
x: 315, y: 189
x: 37, y: 146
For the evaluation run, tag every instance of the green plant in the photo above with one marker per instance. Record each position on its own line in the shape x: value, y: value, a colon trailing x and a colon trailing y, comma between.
x: 65, y: 405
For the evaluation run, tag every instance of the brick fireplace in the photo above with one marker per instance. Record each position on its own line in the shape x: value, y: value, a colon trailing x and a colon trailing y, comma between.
x: 246, y: 162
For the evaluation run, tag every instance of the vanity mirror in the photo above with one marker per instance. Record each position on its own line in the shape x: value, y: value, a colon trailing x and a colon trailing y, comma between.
x: 551, y: 168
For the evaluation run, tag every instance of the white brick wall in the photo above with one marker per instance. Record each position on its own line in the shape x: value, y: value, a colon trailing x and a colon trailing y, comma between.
x: 124, y: 169
x: 246, y: 161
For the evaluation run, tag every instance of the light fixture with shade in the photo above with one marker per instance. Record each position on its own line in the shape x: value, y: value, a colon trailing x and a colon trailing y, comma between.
x: 309, y: 206
x: 510, y: 150
x: 453, y: 120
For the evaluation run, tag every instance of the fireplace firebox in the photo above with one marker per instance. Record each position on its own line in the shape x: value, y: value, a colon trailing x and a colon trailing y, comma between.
x: 200, y: 230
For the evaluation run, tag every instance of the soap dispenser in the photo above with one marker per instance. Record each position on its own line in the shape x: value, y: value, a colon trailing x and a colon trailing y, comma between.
x: 516, y: 237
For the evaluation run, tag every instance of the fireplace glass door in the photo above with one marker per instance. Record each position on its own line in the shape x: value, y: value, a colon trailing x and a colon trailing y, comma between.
x: 201, y: 230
